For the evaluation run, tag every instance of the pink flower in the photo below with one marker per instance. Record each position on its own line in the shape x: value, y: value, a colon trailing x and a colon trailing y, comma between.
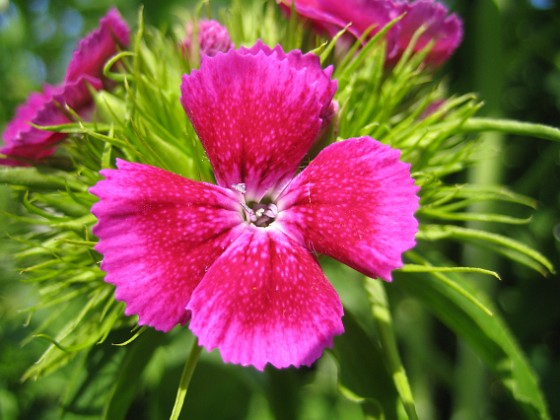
x: 25, y: 144
x: 333, y: 15
x: 446, y: 31
x: 237, y: 259
x: 98, y: 46
x: 212, y: 38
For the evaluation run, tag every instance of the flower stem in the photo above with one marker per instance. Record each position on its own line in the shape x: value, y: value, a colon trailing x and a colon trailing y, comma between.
x: 384, y: 322
x: 188, y: 371
x: 46, y: 179
x: 478, y: 125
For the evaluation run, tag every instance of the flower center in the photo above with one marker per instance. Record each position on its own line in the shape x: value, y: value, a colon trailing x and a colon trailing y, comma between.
x: 260, y: 214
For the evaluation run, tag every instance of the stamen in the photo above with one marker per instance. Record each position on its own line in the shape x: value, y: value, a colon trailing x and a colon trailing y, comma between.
x: 260, y: 215
x: 241, y: 187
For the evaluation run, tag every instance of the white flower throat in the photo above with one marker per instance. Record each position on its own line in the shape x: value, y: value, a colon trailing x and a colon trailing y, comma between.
x: 260, y: 214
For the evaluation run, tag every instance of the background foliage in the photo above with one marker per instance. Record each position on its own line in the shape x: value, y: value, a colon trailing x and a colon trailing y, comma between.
x: 510, y: 56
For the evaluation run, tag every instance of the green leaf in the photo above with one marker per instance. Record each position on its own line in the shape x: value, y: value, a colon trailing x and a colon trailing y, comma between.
x: 284, y: 388
x: 473, y: 193
x: 501, y: 244
x: 105, y: 382
x: 475, y: 217
x: 92, y: 378
x: 420, y: 268
x: 138, y: 354
x: 217, y: 390
x: 40, y: 178
x: 486, y: 334
x: 363, y: 376
x: 480, y: 125
x: 382, y: 315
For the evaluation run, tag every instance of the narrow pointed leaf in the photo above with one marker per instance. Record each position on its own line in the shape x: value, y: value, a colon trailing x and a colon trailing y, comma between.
x: 362, y: 372
x: 501, y: 244
x: 133, y: 364
x: 487, y: 334
x: 382, y: 314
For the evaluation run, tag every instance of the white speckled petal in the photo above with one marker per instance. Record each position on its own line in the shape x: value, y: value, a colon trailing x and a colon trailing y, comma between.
x: 159, y: 233
x: 266, y: 300
x: 355, y: 202
x: 257, y: 112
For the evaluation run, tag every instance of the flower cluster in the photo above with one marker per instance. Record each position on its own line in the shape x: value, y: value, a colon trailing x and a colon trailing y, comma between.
x: 370, y: 16
x: 25, y: 144
x: 238, y: 260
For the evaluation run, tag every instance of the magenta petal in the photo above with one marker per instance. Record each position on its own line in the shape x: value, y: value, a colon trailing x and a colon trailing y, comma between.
x: 159, y: 233
x: 325, y: 88
x: 24, y: 143
x: 446, y: 31
x: 355, y: 202
x: 257, y: 111
x: 333, y: 16
x: 318, y: 16
x: 266, y: 300
x: 98, y: 46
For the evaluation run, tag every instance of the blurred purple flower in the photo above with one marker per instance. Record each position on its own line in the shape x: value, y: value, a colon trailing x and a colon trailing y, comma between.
x: 212, y: 38
x: 333, y: 15
x: 25, y: 144
x: 445, y: 31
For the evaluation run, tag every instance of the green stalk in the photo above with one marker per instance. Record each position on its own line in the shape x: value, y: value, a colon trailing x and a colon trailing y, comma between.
x: 541, y: 131
x: 471, y: 398
x: 186, y: 376
x: 416, y: 335
x: 39, y: 178
x: 382, y: 316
